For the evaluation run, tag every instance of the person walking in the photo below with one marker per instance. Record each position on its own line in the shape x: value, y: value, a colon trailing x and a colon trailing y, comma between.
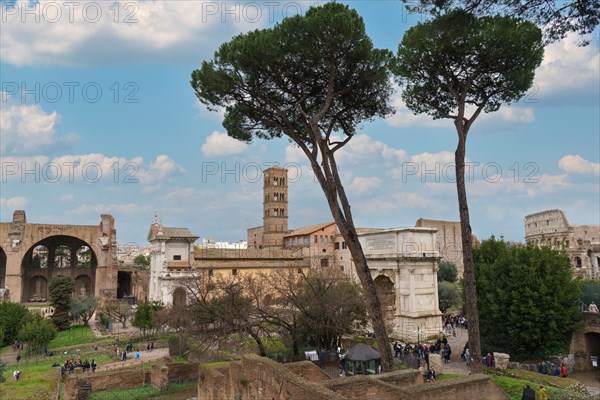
x: 528, y: 393
x: 17, y: 375
x: 322, y: 357
x: 542, y: 394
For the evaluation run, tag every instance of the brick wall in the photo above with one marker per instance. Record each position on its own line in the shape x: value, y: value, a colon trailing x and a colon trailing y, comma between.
x: 308, y: 370
x: 477, y: 386
x: 256, y: 377
x: 159, y: 377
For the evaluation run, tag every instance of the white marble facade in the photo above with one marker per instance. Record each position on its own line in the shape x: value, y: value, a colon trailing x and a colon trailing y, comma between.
x: 403, y: 263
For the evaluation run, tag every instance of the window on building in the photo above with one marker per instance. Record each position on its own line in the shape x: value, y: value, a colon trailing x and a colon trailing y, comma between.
x: 331, y: 238
x: 342, y: 267
x: 343, y: 245
x: 316, y: 239
x: 306, y: 239
x: 324, y: 262
x: 299, y: 270
x: 234, y: 272
x: 336, y: 245
x: 321, y: 238
x: 210, y: 272
x: 326, y: 239
x: 274, y: 181
x: 274, y: 196
x: 177, y: 257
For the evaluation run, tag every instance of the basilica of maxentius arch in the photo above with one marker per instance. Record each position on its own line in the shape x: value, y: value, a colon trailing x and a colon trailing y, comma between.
x: 31, y: 255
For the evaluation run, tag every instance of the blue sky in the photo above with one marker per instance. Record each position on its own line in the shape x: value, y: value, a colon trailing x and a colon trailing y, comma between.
x: 98, y: 116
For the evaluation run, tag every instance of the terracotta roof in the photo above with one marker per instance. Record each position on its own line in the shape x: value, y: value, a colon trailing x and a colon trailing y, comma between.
x: 170, y: 233
x: 178, y: 264
x: 305, y: 230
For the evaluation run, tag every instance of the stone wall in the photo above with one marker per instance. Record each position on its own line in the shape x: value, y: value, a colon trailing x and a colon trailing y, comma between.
x: 477, y: 386
x: 308, y: 370
x: 584, y: 342
x: 404, y: 377
x: 364, y: 387
x: 118, y: 379
x: 126, y: 378
x: 255, y: 377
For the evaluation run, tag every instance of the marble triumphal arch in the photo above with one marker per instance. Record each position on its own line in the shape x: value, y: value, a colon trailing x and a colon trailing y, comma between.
x: 32, y: 254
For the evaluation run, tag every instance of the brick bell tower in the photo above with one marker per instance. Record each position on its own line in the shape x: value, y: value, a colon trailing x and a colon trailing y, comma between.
x: 275, y: 206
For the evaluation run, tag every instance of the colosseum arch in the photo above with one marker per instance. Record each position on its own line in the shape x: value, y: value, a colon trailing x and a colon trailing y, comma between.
x: 52, y: 256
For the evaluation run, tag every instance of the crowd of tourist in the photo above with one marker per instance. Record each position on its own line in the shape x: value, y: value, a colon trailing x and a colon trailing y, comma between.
x: 421, y: 351
x: 70, y: 365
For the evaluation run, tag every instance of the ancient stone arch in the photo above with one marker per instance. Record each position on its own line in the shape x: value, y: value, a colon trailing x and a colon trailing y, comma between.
x: 387, y: 295
x: 94, y: 268
x: 179, y: 297
x: 585, y: 341
x: 62, y: 258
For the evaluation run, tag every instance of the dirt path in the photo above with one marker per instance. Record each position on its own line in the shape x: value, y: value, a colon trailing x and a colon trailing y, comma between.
x: 144, y: 358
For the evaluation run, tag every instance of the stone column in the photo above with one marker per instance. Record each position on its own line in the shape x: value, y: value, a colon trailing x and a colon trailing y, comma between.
x: 594, y: 262
x: 73, y: 261
x: 436, y: 300
x: 411, y: 288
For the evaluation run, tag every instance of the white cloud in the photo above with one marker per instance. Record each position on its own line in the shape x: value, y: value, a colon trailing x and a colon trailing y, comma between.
x: 363, y: 149
x: 412, y: 200
x: 84, y: 32
x: 221, y: 144
x: 124, y: 209
x: 27, y: 129
x: 162, y: 167
x: 509, y: 115
x: 66, y: 198
x: 578, y: 165
x: 361, y: 184
x: 426, y: 167
x: 89, y: 168
x: 294, y: 154
x: 15, y: 203
x: 568, y: 68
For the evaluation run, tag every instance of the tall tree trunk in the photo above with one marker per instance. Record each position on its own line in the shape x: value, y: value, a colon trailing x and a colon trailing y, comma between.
x: 330, y: 182
x: 259, y: 343
x: 467, y: 250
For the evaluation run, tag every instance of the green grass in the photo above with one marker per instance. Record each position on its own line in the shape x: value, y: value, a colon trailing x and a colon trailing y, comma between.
x: 217, y: 364
x: 75, y: 336
x: 37, y: 382
x: 145, y: 392
x: 445, y: 377
x: 514, y: 383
